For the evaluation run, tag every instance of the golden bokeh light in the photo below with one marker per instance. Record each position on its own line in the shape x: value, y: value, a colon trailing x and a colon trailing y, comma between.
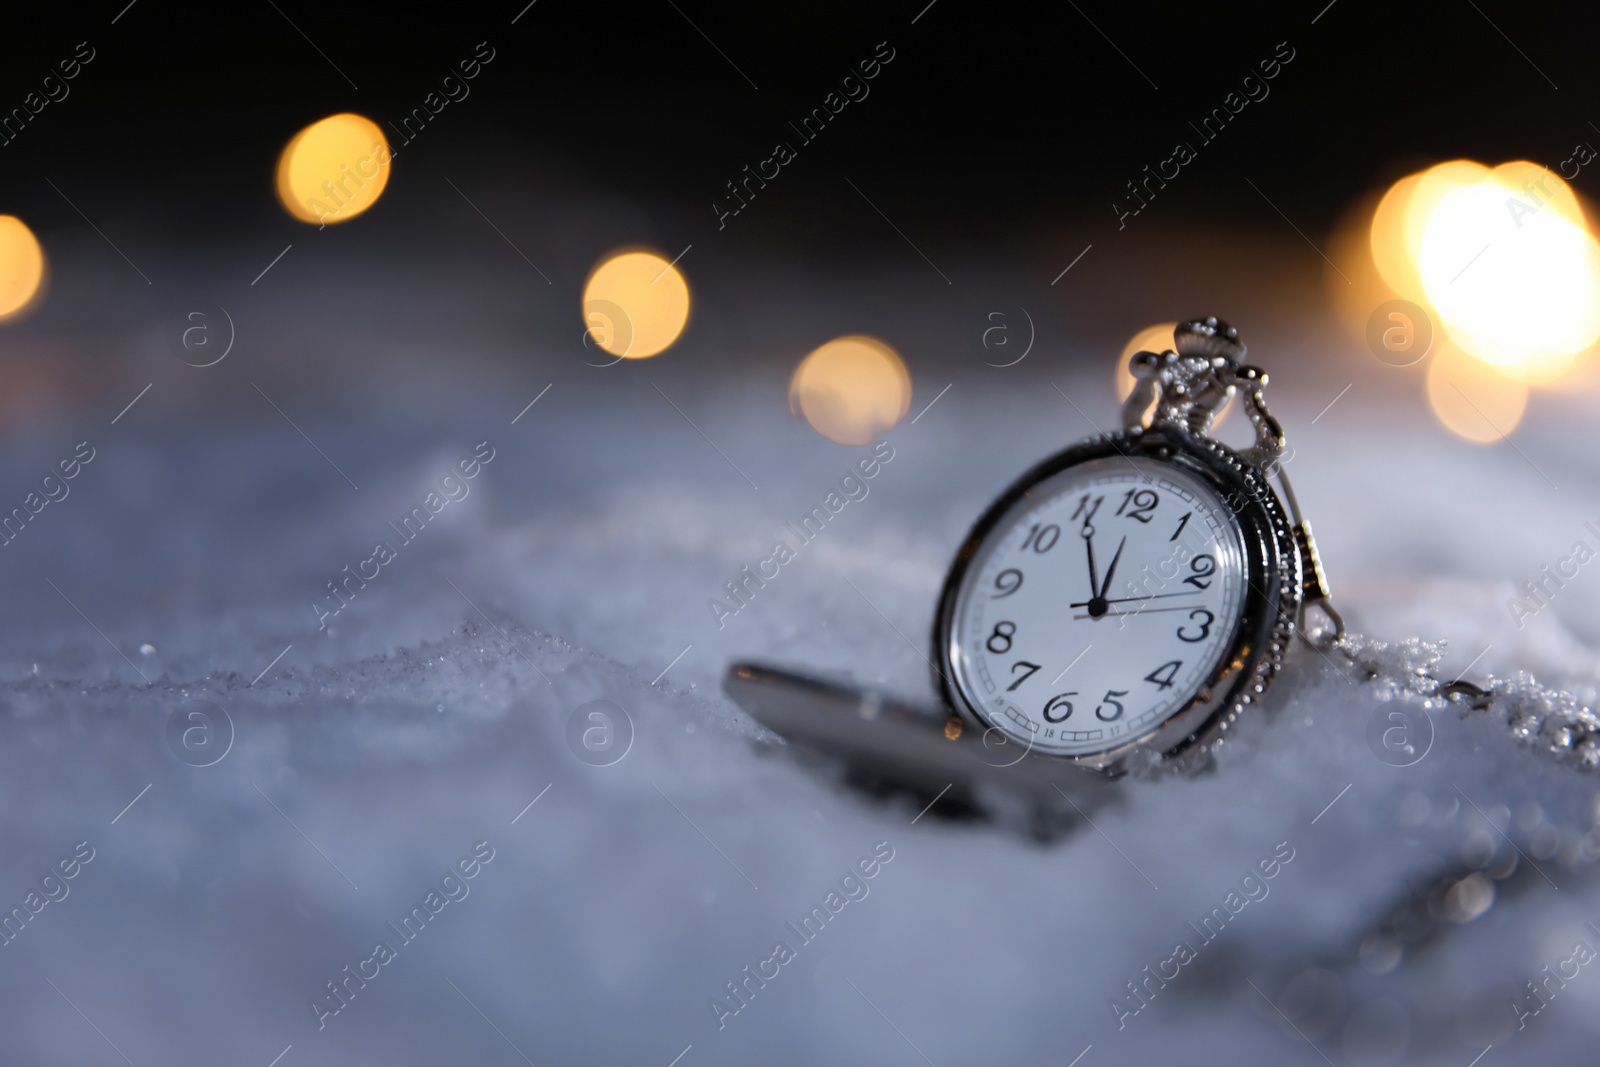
x: 1157, y: 338
x: 333, y: 170
x: 851, y: 389
x: 1502, y: 259
x: 1472, y: 399
x: 21, y: 268
x: 1387, y: 238
x: 1535, y: 184
x: 1515, y: 281
x: 635, y: 304
x: 1398, y: 223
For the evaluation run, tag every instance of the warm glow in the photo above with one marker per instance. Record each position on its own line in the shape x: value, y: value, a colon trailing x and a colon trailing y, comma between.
x: 1157, y: 338
x: 635, y: 304
x: 1531, y: 180
x: 1356, y: 289
x: 333, y: 170
x: 1387, y: 237
x: 1471, y: 398
x: 21, y: 267
x: 1514, y: 289
x: 851, y: 389
x: 1397, y: 225
x: 1502, y: 259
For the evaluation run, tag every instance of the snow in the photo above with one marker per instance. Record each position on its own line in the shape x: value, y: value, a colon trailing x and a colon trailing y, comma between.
x: 436, y: 707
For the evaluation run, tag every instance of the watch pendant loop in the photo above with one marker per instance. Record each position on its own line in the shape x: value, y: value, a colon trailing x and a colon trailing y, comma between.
x: 1191, y: 385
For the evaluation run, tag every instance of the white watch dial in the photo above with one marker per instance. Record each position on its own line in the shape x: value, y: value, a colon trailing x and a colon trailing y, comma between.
x: 1098, y: 606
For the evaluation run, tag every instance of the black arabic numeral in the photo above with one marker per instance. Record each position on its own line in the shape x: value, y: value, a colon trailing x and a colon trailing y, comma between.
x: 1056, y: 703
x: 1171, y: 668
x: 1087, y: 509
x: 1001, y: 633
x: 1181, y: 524
x: 1204, y: 566
x: 1110, y: 698
x: 1042, y: 538
x: 1028, y: 674
x: 1144, y: 503
x: 1205, y: 626
x: 1007, y: 587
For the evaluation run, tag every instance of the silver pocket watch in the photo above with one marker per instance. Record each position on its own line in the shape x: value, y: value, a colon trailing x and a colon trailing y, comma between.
x: 1133, y: 595
x: 1117, y: 608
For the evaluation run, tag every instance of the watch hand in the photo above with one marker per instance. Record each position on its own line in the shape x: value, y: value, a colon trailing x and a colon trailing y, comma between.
x: 1088, y: 544
x: 1139, y: 611
x: 1101, y: 595
x: 1125, y: 599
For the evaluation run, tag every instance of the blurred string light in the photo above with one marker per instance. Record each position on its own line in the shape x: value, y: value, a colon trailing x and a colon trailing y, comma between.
x: 635, y: 304
x: 851, y: 390
x: 333, y: 170
x: 1504, y: 262
x: 21, y: 268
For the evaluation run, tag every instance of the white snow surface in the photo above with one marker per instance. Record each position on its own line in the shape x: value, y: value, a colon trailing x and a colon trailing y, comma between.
x: 372, y: 756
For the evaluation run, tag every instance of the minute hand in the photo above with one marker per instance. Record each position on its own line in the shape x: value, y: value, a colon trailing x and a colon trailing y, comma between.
x: 1142, y: 611
x: 1111, y: 570
x: 1126, y: 599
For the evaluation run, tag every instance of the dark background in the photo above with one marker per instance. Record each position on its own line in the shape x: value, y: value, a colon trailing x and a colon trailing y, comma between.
x: 992, y: 123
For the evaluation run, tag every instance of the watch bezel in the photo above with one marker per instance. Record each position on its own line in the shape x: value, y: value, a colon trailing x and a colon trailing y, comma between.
x: 1270, y: 601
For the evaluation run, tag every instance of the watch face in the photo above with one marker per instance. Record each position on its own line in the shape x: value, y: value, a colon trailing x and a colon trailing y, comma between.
x: 1098, y: 605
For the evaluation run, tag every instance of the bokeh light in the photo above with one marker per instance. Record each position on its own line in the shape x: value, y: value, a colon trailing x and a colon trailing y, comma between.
x: 21, y: 268
x: 1514, y: 283
x: 1398, y: 223
x: 635, y: 304
x: 1471, y: 398
x: 1502, y: 258
x: 851, y: 389
x: 1530, y: 180
x: 1505, y: 264
x: 333, y: 170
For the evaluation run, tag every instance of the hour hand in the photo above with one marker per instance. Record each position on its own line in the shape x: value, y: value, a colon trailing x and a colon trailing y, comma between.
x: 1088, y: 546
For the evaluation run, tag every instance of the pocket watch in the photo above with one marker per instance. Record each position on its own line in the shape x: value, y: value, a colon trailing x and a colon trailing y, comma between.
x: 1117, y: 608
x: 1126, y: 600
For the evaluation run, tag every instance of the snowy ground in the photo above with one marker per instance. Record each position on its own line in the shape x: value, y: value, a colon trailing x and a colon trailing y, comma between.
x: 371, y: 757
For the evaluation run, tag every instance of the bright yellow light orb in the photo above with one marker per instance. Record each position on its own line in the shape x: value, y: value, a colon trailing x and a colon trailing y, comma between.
x: 1515, y: 280
x: 1388, y: 238
x: 1502, y: 259
x: 1157, y: 338
x: 21, y: 267
x: 635, y: 304
x: 333, y: 170
x: 1472, y: 399
x: 851, y: 390
x: 1530, y: 180
x: 1397, y: 224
